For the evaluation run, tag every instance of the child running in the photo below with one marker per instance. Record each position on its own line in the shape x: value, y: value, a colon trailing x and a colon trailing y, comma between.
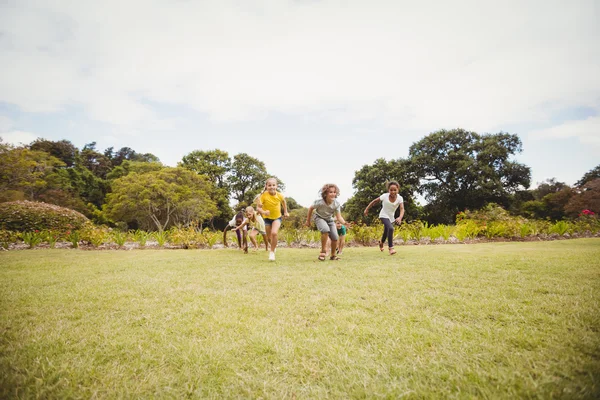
x: 256, y: 222
x: 391, y: 201
x: 235, y: 222
x: 325, y: 208
x: 269, y: 205
x: 341, y: 230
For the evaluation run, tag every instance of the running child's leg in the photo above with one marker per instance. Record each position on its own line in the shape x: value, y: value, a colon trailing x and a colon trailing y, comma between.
x: 253, y: 234
x: 273, y: 236
x: 388, y: 232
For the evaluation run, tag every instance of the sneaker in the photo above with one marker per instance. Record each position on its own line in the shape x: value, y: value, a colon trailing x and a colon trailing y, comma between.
x: 271, y: 256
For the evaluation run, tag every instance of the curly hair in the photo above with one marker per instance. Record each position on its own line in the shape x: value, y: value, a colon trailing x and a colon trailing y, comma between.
x: 390, y: 183
x: 326, y: 188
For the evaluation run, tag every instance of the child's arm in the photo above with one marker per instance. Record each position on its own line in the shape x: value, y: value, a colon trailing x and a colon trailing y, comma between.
x: 340, y: 218
x: 399, y: 219
x: 310, y: 211
x: 242, y: 225
x: 285, y: 211
x: 225, y: 236
x: 371, y: 204
x: 259, y: 208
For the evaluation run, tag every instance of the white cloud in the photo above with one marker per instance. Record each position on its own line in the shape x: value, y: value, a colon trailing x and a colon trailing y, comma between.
x: 18, y: 137
x: 424, y: 65
x: 587, y: 131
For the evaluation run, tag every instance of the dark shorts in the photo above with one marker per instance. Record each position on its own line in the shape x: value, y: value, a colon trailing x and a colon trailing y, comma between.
x: 269, y: 221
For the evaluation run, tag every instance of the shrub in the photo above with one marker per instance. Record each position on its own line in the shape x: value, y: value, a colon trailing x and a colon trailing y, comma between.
x: 28, y: 216
x: 7, y: 237
x: 94, y: 235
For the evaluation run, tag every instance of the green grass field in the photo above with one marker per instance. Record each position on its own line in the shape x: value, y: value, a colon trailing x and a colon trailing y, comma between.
x: 496, y: 320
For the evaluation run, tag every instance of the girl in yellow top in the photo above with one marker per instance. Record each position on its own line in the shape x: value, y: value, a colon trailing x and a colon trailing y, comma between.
x: 269, y: 205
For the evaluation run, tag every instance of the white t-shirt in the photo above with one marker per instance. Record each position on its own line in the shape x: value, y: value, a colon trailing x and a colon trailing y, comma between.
x: 389, y: 209
x: 233, y: 225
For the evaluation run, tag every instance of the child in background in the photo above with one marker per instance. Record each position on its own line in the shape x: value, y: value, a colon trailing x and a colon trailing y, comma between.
x: 257, y: 225
x: 233, y: 224
x: 269, y: 205
x: 391, y: 201
x: 325, y: 208
x: 341, y: 230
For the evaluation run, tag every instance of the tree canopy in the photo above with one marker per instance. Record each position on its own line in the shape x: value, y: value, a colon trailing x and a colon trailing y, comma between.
x: 160, y: 199
x: 464, y: 170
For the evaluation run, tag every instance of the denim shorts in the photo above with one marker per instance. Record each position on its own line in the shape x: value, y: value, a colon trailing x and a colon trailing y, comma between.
x: 269, y: 221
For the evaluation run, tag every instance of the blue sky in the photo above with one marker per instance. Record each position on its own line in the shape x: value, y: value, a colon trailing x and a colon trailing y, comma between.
x: 315, y: 89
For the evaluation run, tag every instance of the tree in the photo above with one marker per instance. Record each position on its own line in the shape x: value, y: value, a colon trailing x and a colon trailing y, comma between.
x: 248, y: 177
x: 26, y: 173
x: 370, y: 182
x: 589, y: 176
x: 588, y: 198
x: 64, y: 150
x: 549, y: 186
x: 96, y: 162
x: 128, y: 154
x: 460, y: 169
x: 292, y: 204
x: 215, y: 164
x: 161, y: 199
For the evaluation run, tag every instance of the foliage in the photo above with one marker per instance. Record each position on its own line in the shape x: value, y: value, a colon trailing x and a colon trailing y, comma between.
x: 161, y: 237
x: 73, y: 236
x: 94, y: 235
x: 51, y: 237
x: 589, y: 176
x: 248, y: 176
x: 296, y: 220
x: 141, y: 237
x: 63, y: 150
x: 119, y: 237
x: 7, y: 237
x: 29, y: 216
x: 461, y: 169
x: 187, y: 237
x: 32, y: 239
x: 161, y: 199
x: 364, y: 234
x: 214, y: 164
x: 27, y: 171
x: 586, y: 198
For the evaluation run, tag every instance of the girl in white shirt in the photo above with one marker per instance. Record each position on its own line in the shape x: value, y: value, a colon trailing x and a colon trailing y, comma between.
x: 391, y: 201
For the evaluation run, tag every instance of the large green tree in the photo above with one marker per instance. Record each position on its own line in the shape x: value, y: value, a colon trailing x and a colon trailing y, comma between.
x: 64, y: 150
x: 160, y: 199
x: 215, y: 164
x: 26, y: 173
x: 248, y: 177
x: 465, y: 170
x: 370, y: 182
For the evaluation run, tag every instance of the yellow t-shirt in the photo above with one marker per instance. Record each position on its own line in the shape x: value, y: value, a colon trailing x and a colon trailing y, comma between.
x: 272, y: 204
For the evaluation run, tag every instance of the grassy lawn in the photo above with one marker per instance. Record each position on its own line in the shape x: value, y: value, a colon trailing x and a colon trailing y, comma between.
x: 496, y: 320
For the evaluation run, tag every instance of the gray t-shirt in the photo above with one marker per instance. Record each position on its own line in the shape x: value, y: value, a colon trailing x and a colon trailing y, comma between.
x: 324, y: 210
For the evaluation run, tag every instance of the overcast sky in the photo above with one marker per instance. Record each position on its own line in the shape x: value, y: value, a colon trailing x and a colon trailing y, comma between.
x: 314, y: 89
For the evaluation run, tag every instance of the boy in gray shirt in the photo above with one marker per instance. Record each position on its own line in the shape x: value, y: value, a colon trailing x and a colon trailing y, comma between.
x: 325, y: 208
